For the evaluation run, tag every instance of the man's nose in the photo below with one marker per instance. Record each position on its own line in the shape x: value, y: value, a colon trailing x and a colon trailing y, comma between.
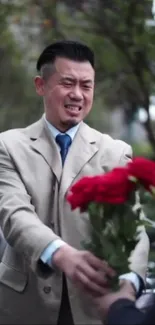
x: 76, y: 94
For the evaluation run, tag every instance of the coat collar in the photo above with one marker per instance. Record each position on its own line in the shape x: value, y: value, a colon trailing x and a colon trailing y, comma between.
x: 83, y: 148
x: 43, y: 143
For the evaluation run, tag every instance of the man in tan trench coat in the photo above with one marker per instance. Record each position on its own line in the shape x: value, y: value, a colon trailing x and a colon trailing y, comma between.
x: 44, y: 273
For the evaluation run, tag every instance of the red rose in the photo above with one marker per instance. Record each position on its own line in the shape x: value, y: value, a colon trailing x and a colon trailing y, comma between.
x: 143, y: 170
x: 82, y: 192
x: 115, y: 187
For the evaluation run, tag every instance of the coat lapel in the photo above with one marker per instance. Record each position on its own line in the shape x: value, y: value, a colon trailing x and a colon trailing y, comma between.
x: 83, y: 148
x: 42, y: 143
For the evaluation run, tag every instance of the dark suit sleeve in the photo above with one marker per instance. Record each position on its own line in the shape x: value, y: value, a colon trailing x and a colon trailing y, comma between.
x: 124, y: 312
x: 141, y: 286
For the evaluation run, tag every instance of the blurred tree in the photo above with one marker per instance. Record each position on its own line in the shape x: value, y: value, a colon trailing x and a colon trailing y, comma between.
x: 123, y: 41
x: 17, y: 94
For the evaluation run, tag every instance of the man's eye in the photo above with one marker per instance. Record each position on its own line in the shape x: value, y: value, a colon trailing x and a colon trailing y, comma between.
x: 87, y: 87
x: 67, y: 84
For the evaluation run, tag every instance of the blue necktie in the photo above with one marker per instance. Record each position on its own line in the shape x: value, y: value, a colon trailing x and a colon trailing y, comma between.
x: 64, y: 141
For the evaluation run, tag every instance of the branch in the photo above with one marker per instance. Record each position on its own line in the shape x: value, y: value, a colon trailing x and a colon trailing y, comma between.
x: 104, y: 29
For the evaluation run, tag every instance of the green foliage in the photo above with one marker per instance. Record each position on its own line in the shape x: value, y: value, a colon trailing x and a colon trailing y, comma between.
x: 114, y: 232
x: 143, y: 149
x: 124, y: 49
x: 18, y: 103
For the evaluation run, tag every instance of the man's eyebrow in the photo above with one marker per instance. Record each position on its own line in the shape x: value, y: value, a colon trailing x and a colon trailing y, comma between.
x: 88, y: 81
x: 72, y: 79
x: 69, y: 78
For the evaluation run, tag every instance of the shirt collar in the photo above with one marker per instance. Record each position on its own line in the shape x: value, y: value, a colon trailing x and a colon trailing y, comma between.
x: 54, y: 131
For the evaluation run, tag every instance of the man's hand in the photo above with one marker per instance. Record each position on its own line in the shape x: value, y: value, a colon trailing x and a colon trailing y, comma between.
x: 87, y: 271
x: 104, y: 303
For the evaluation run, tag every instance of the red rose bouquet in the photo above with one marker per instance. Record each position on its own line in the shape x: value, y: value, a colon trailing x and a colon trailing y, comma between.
x: 114, y: 215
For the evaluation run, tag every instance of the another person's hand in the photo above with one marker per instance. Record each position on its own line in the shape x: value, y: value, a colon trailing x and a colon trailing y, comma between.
x: 104, y: 303
x: 86, y: 271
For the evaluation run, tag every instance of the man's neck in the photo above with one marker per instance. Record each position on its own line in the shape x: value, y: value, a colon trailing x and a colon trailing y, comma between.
x: 55, y: 130
x: 63, y: 128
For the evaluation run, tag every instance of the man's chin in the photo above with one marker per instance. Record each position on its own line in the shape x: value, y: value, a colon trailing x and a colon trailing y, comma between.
x: 70, y: 123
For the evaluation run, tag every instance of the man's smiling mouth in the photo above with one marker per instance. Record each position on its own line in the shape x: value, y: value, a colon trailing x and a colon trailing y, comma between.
x: 73, y: 107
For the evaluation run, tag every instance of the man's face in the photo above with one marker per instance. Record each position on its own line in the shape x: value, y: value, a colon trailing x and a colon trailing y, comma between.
x: 68, y: 92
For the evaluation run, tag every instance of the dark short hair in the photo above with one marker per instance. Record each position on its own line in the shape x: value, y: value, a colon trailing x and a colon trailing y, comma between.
x: 72, y: 50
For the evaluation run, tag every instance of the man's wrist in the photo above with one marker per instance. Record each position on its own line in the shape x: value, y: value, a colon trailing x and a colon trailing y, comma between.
x: 59, y: 254
x: 129, y: 287
x: 50, y: 250
x: 133, y: 279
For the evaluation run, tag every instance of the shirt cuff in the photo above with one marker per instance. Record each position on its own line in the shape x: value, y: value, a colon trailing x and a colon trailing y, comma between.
x: 133, y: 278
x: 48, y: 253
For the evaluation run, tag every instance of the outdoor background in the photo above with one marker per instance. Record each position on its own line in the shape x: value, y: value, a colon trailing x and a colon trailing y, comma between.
x: 122, y: 34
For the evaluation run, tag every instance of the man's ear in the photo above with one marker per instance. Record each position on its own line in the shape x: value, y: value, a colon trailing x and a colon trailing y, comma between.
x: 39, y: 85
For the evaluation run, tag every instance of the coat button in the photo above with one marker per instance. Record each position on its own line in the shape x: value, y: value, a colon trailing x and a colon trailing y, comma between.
x: 47, y: 289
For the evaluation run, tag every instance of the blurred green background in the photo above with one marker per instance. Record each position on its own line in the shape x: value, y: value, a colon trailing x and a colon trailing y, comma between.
x: 122, y: 34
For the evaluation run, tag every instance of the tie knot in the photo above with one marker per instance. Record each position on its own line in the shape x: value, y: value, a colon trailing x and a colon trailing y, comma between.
x: 64, y: 140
